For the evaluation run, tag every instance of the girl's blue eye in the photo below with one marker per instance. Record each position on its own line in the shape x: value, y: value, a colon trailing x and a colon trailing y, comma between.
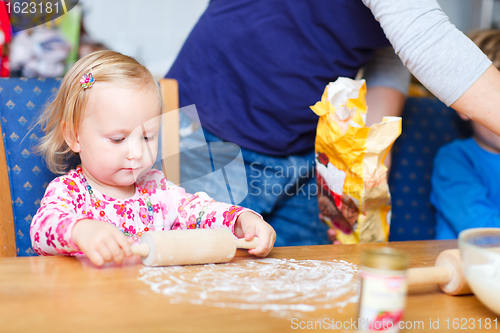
x: 148, y: 138
x: 117, y: 140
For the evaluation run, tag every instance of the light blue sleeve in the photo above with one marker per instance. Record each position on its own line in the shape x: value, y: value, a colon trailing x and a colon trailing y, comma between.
x: 459, y: 195
x: 386, y: 69
x: 440, y: 56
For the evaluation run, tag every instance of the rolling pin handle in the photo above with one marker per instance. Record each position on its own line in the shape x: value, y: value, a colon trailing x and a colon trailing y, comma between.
x: 447, y: 273
x: 141, y: 249
x: 429, y: 275
x: 243, y: 244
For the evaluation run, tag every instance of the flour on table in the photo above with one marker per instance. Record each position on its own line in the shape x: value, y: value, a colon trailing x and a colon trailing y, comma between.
x: 283, y: 286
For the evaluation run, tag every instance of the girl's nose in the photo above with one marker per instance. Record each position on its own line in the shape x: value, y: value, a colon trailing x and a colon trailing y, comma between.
x: 135, y: 150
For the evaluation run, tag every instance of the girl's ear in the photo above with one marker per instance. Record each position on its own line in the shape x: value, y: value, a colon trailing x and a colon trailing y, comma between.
x: 71, y: 139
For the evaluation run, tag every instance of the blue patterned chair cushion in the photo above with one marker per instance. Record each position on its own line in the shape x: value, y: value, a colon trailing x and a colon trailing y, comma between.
x: 21, y: 101
x: 427, y: 125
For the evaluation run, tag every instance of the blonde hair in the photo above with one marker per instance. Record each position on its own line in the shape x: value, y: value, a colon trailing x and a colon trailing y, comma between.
x: 66, y: 112
x: 489, y: 42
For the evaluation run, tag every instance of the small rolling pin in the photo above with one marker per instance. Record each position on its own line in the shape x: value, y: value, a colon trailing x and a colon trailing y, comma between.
x: 190, y: 247
x: 447, y: 272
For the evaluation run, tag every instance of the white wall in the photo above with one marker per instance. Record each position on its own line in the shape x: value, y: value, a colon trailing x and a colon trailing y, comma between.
x: 152, y: 30
x: 459, y: 13
x: 468, y: 15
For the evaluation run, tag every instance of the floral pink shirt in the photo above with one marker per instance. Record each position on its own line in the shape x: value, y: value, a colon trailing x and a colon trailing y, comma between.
x: 67, y: 201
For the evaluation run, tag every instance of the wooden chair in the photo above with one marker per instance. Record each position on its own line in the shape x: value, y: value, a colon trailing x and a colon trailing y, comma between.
x: 170, y: 130
x: 7, y: 233
x: 22, y: 185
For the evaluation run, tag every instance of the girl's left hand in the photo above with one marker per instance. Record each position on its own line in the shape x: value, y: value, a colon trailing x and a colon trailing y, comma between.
x: 248, y: 225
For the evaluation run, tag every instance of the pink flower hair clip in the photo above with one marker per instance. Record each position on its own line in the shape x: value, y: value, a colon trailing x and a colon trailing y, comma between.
x: 87, y: 80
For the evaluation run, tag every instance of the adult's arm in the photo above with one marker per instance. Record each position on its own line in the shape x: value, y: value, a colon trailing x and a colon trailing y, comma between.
x: 383, y: 101
x: 480, y: 102
x: 387, y: 82
x: 441, y: 57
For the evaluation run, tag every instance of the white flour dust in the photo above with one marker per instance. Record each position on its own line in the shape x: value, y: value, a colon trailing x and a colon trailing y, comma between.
x: 283, y: 286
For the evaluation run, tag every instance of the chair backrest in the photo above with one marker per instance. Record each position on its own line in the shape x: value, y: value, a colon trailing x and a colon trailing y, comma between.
x: 24, y: 175
x: 427, y: 125
x: 21, y: 100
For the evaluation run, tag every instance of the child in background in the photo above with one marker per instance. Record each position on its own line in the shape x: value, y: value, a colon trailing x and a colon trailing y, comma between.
x: 107, y: 111
x: 466, y: 175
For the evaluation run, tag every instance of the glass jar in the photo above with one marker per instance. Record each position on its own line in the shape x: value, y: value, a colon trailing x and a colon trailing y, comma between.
x: 383, y: 289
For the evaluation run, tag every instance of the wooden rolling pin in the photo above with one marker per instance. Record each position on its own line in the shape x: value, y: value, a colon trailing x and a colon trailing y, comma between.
x: 189, y: 247
x: 447, y: 272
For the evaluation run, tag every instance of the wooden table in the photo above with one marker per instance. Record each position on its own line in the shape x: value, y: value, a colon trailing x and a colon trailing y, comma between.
x: 63, y: 294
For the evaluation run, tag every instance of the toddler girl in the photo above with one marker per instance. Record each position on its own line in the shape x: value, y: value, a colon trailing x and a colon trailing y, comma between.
x: 108, y: 111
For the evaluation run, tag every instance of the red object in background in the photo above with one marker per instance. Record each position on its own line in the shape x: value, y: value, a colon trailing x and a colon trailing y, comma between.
x: 7, y: 31
x: 5, y: 66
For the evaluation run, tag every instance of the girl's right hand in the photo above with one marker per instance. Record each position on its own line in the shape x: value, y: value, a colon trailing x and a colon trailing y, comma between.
x: 101, y: 242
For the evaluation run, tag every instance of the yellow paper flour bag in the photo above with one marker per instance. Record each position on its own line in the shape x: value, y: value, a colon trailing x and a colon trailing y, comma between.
x: 353, y: 193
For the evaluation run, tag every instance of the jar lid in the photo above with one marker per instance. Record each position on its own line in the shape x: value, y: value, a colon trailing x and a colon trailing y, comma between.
x: 385, y: 258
